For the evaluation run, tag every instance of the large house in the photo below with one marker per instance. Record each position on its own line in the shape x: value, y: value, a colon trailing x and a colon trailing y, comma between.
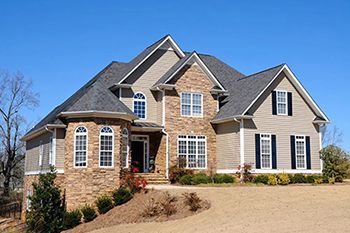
x: 167, y: 105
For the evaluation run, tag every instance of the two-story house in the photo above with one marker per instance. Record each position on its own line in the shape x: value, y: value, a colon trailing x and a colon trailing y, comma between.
x: 167, y: 105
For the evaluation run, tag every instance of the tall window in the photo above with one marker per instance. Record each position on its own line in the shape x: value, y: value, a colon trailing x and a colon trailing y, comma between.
x: 41, y: 153
x: 139, y: 105
x: 125, y: 147
x: 191, y: 104
x: 192, y: 151
x: 281, y: 102
x: 300, y: 152
x: 81, y: 141
x: 265, y: 143
x: 106, y: 147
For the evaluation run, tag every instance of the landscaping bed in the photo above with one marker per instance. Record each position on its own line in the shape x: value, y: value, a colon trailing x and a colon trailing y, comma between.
x: 134, y: 211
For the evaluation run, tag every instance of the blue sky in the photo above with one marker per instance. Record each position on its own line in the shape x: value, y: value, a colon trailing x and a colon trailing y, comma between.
x: 62, y: 44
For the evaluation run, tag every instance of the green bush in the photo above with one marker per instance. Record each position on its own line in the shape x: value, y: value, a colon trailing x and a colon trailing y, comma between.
x: 223, y: 178
x: 121, y: 196
x: 331, y: 180
x: 104, y: 204
x: 71, y: 219
x: 318, y: 180
x: 335, y: 162
x: 261, y: 179
x: 186, y: 179
x: 200, y: 178
x: 47, y: 207
x: 89, y: 213
x: 283, y: 179
x: 298, y: 178
x: 272, y: 180
x: 310, y: 179
x: 176, y: 172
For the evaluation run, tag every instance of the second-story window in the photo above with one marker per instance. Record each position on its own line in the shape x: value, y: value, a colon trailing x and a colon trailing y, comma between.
x: 191, y: 104
x: 140, y: 105
x: 281, y: 102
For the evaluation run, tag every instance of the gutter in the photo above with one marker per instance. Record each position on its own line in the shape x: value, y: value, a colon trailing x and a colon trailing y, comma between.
x: 166, y: 134
x: 232, y: 118
x: 41, y: 130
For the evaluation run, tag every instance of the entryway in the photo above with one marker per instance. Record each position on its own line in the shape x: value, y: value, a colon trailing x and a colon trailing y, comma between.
x: 140, y: 152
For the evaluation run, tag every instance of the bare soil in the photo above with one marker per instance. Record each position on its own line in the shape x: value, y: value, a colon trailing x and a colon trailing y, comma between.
x: 323, y: 208
x: 132, y: 212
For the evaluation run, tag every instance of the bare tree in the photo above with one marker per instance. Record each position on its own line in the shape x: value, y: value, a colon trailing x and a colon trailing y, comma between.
x: 331, y: 135
x: 16, y: 95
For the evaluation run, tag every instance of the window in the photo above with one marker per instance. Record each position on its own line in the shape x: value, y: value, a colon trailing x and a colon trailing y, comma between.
x: 106, y: 147
x: 41, y: 153
x: 80, y: 147
x: 125, y: 147
x: 300, y: 152
x: 192, y: 151
x: 29, y: 202
x: 281, y: 102
x: 265, y: 150
x: 191, y: 104
x: 139, y: 105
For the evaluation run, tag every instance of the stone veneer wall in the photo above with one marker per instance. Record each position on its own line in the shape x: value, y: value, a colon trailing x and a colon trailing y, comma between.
x: 191, y: 79
x: 84, y: 185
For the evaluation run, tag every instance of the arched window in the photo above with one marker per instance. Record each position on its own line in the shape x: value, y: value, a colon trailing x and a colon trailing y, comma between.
x: 106, y: 147
x: 140, y: 105
x: 80, y: 146
x: 125, y: 148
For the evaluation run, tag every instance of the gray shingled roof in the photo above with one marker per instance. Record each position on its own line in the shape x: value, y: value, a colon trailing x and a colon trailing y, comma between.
x: 103, y: 78
x: 244, y: 90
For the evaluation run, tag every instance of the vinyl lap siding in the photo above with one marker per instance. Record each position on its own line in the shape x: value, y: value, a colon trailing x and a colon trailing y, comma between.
x: 32, y: 153
x: 60, y: 135
x: 282, y: 126
x: 149, y: 73
x: 227, y: 149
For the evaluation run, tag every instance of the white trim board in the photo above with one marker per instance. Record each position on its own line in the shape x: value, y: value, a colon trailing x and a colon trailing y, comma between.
x: 298, y: 85
x: 271, y: 171
x: 28, y: 173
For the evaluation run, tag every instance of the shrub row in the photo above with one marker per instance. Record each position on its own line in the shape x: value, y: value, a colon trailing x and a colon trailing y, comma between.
x: 284, y: 179
x: 103, y: 203
x: 202, y: 178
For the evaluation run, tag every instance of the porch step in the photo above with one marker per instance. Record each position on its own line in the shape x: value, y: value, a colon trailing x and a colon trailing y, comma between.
x: 153, y: 178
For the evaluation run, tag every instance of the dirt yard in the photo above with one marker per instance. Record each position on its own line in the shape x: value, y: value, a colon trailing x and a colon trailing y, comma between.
x: 260, y: 209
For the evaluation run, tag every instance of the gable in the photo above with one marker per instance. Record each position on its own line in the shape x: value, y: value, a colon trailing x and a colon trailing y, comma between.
x: 301, y: 108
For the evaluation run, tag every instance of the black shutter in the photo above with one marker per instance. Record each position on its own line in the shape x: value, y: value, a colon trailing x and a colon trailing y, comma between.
x: 290, y: 104
x: 274, y: 103
x: 292, y: 151
x: 257, y: 151
x: 274, y: 152
x: 308, y: 152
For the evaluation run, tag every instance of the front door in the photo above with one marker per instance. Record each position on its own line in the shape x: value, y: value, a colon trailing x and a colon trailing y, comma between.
x: 137, y: 155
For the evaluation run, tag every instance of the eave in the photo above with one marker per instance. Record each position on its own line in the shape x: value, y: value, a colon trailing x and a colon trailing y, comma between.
x: 42, y: 130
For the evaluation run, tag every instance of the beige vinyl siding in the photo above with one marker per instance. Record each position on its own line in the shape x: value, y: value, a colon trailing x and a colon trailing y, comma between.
x: 282, y: 126
x: 32, y: 153
x: 60, y: 140
x: 145, y: 77
x: 227, y: 145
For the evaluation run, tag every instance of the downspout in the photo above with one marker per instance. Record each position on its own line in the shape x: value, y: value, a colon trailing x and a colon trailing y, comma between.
x: 241, y: 145
x: 53, y: 155
x: 166, y: 134
x: 321, y: 147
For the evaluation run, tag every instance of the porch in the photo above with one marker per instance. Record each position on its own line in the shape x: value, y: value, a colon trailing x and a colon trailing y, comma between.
x: 148, y: 152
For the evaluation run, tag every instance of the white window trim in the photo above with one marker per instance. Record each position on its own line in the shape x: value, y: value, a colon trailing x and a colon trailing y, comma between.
x: 140, y: 100
x: 41, y: 153
x: 191, y: 104
x: 270, y: 137
x: 99, y: 146
x: 295, y: 148
x: 286, y: 92
x: 127, y: 147
x: 187, y: 139
x: 87, y: 145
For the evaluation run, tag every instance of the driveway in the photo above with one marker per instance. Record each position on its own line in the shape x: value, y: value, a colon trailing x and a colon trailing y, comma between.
x: 324, y: 208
